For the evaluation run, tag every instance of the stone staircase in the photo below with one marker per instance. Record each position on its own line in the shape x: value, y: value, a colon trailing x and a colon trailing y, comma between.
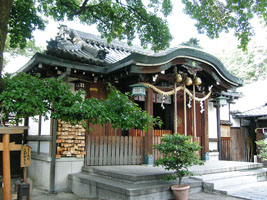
x: 136, y: 183
x: 234, y: 183
x: 142, y: 182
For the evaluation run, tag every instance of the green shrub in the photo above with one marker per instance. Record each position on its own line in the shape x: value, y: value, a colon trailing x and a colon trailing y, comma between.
x: 179, y: 153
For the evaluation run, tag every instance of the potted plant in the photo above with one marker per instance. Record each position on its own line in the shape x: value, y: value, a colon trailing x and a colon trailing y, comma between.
x: 179, y: 153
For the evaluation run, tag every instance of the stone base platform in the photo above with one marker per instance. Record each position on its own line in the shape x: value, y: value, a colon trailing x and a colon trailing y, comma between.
x: 138, y: 182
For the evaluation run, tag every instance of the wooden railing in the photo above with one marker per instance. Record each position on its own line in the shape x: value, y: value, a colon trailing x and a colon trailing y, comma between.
x: 156, y: 133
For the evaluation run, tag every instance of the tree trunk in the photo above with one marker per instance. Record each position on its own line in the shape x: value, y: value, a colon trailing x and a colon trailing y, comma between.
x: 5, y: 9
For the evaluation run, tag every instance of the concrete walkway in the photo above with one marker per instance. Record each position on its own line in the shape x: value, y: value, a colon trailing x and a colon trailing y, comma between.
x: 39, y: 194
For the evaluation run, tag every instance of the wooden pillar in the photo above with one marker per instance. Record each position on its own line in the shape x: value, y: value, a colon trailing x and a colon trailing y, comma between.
x: 149, y: 134
x: 185, y: 116
x: 194, y: 112
x: 205, y: 132
x: 175, y: 109
x: 6, y: 167
x: 219, y: 145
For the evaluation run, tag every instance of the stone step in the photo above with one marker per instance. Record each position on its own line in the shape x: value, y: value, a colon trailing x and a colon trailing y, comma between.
x: 231, y: 191
x: 224, y: 166
x: 137, y: 173
x: 218, y: 184
x: 261, y: 174
x: 128, y: 173
x: 91, y: 185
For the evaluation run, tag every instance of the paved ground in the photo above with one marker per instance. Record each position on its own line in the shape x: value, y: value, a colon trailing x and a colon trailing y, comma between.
x: 43, y: 195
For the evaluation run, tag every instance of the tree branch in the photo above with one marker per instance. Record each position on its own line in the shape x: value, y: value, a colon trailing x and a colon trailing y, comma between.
x: 84, y: 4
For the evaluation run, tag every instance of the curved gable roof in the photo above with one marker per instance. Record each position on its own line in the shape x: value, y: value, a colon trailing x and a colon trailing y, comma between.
x: 82, y: 49
x: 168, y: 55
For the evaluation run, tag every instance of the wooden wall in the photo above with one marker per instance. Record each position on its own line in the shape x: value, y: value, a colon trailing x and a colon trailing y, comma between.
x: 99, y: 91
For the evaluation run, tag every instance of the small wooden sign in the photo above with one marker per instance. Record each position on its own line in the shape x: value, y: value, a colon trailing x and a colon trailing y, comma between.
x: 25, y: 156
x: 94, y: 89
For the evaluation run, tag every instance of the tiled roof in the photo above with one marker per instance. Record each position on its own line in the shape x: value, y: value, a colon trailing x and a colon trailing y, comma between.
x: 89, y: 48
x: 256, y: 112
x: 72, y: 48
x: 226, y: 122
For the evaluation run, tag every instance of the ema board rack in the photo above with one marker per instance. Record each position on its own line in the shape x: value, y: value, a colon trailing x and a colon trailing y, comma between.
x: 70, y: 140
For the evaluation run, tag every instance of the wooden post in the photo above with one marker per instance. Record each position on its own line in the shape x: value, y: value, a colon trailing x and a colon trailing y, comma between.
x: 219, y: 145
x: 6, y: 167
x: 194, y: 111
x: 149, y: 135
x: 175, y: 109
x: 185, y: 117
x: 205, y: 132
x: 6, y: 147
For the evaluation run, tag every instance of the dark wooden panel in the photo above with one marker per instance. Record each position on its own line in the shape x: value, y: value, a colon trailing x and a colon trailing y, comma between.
x: 226, y: 148
x: 237, y: 150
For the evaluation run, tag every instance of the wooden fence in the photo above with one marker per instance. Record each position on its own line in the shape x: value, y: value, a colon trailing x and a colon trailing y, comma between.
x: 119, y: 150
x: 114, y: 150
x: 157, y: 133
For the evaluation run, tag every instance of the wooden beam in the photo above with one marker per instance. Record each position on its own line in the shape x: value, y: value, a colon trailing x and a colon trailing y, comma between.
x: 12, y: 146
x: 38, y: 138
x: 13, y: 130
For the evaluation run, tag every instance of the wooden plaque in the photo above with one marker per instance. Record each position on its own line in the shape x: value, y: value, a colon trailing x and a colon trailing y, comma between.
x: 25, y: 156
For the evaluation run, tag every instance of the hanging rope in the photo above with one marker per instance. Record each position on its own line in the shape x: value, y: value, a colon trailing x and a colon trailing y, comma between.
x: 178, y: 89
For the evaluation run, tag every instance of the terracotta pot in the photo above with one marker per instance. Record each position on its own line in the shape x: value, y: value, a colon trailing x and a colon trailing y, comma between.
x: 180, y: 192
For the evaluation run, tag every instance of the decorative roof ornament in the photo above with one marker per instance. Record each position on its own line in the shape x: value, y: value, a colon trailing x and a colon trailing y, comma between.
x: 64, y: 32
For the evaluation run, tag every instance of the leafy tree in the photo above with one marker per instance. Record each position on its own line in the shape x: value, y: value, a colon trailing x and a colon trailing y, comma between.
x: 127, y: 114
x: 192, y: 42
x: 30, y: 49
x: 216, y: 16
x: 250, y: 65
x: 42, y: 96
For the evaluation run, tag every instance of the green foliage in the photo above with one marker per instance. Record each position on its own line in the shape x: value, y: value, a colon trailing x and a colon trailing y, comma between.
x: 215, y: 16
x: 178, y: 154
x: 25, y: 95
x: 114, y: 19
x: 24, y: 19
x: 250, y: 65
x: 29, y: 50
x: 192, y: 42
x: 126, y: 114
x: 262, y: 145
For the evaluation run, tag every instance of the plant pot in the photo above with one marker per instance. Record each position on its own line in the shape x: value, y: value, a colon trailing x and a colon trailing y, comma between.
x: 180, y: 192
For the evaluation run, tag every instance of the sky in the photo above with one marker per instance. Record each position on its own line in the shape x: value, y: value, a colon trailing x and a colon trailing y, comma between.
x: 181, y: 26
